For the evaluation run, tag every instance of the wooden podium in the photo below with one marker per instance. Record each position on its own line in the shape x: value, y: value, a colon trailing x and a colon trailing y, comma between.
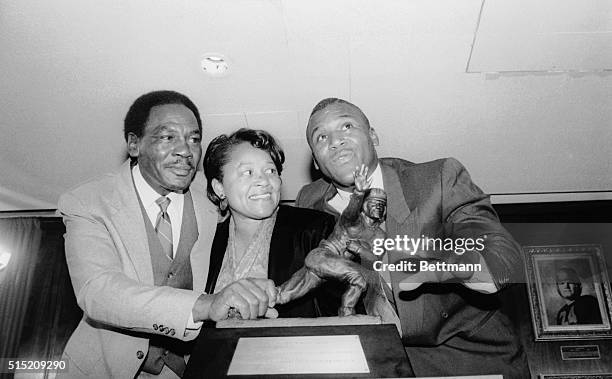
x: 381, y: 344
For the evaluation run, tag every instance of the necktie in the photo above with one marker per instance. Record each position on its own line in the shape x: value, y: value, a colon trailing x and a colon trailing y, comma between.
x: 163, y: 227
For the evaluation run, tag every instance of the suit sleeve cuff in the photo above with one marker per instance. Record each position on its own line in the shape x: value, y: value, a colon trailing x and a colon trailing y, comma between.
x: 193, y: 328
x: 482, y: 280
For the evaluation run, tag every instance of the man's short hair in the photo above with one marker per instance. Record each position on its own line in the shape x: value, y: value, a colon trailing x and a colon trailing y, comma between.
x: 321, y: 105
x: 138, y: 114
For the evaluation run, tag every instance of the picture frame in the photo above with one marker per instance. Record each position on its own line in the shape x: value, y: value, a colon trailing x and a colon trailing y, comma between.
x: 569, y: 292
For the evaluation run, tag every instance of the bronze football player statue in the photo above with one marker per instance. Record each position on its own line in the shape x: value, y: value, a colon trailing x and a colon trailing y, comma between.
x: 358, y: 225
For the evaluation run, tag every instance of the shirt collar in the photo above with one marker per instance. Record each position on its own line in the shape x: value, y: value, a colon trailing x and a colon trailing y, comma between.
x: 147, y: 194
x: 377, y: 178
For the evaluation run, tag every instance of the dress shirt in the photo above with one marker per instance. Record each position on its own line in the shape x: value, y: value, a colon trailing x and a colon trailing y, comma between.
x: 175, y: 210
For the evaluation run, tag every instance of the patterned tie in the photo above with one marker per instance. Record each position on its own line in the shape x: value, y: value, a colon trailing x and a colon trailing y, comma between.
x: 163, y: 227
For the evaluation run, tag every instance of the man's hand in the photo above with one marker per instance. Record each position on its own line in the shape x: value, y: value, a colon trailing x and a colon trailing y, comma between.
x: 361, y: 178
x: 439, y: 275
x: 251, y: 297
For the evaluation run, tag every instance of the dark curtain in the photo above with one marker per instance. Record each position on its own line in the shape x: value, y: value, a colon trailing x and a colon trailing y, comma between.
x: 21, y: 237
x: 38, y: 309
x: 54, y: 313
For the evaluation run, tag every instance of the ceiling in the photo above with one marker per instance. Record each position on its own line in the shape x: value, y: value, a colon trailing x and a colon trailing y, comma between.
x: 519, y: 91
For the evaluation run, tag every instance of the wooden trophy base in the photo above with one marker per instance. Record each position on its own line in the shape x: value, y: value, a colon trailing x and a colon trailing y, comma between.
x: 300, y: 348
x: 293, y: 322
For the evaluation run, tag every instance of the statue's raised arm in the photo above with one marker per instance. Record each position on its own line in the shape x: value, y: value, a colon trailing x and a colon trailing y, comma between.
x: 353, y: 236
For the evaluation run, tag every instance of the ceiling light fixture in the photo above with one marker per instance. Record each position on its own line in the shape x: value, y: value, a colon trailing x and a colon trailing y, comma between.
x: 215, y: 65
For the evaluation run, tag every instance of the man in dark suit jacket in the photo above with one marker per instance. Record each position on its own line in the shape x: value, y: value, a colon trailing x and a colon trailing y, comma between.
x: 451, y: 325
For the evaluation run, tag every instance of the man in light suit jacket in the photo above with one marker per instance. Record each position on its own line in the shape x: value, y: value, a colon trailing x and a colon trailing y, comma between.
x: 452, y: 324
x: 137, y: 246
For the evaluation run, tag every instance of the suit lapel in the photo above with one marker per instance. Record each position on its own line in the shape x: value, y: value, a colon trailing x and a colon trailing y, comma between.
x: 397, y: 206
x: 401, y: 221
x: 322, y: 204
x: 397, y: 215
x: 130, y: 224
x: 282, y: 251
x: 206, y: 217
x: 217, y: 253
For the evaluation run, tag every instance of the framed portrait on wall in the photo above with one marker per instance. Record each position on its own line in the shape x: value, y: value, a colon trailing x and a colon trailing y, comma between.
x: 569, y: 292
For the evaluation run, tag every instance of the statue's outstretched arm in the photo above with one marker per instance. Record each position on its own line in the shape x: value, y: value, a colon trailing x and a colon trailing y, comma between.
x: 302, y: 282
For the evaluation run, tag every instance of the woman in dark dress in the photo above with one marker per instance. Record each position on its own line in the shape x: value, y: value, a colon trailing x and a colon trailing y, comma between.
x: 260, y: 238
